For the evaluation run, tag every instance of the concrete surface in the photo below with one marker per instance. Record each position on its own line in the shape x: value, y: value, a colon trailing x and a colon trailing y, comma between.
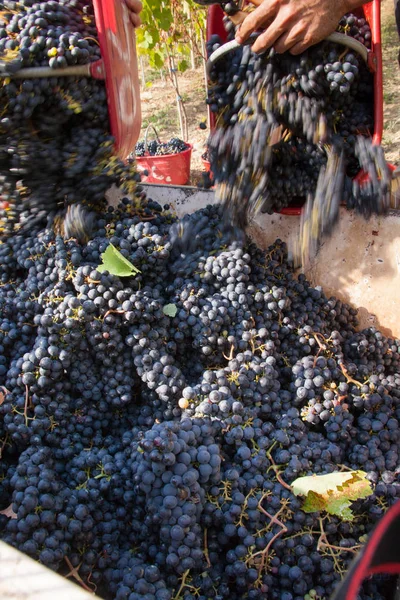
x: 22, y: 578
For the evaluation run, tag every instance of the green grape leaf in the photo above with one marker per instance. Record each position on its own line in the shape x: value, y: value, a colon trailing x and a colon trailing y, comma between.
x: 116, y: 264
x: 158, y: 60
x: 332, y: 493
x: 170, y: 310
x: 183, y: 66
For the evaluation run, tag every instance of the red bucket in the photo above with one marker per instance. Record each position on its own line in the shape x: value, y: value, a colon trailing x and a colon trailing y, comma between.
x: 167, y: 169
x: 372, y: 13
x: 170, y: 169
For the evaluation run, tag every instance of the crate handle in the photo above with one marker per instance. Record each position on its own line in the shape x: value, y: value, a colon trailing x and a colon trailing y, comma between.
x: 338, y: 38
x: 146, y: 134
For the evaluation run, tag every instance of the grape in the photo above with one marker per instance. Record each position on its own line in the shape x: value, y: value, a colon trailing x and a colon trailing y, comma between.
x: 155, y: 148
x: 295, y: 129
x: 153, y: 450
x: 122, y: 433
x: 55, y: 144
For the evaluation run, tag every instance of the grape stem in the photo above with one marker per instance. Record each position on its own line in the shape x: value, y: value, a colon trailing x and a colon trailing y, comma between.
x: 75, y: 574
x: 349, y: 378
x: 273, y: 520
x: 27, y: 405
x: 183, y: 585
x: 3, y: 445
x: 323, y: 544
x: 206, y: 554
x: 276, y: 470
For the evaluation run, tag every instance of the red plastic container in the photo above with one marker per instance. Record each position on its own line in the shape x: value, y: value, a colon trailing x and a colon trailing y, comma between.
x: 372, y: 13
x: 118, y: 50
x: 170, y: 169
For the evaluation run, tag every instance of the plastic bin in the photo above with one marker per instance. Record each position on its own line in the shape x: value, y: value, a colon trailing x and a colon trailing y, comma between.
x: 372, y: 13
x: 170, y: 169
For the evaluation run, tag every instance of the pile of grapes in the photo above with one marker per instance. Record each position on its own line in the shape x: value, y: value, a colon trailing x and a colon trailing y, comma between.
x: 156, y: 407
x: 55, y: 143
x: 283, y: 121
x: 157, y: 148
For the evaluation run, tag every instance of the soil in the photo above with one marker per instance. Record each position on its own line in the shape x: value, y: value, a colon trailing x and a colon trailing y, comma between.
x: 159, y: 101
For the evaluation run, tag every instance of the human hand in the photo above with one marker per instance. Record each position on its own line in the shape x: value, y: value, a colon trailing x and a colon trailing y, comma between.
x: 293, y: 25
x: 135, y: 7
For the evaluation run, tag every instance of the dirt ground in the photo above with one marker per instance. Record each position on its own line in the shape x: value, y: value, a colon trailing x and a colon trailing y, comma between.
x: 159, y: 101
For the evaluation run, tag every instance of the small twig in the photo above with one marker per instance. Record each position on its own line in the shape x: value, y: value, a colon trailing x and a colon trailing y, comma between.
x: 74, y: 573
x: 275, y: 468
x: 349, y: 378
x: 26, y: 406
x: 324, y: 543
x: 274, y: 520
x: 4, y: 444
x: 182, y: 586
x: 206, y: 553
x: 230, y: 357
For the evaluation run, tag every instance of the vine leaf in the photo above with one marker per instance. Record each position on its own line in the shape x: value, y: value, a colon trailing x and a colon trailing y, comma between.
x: 8, y: 512
x: 116, y: 264
x: 170, y: 310
x: 333, y: 492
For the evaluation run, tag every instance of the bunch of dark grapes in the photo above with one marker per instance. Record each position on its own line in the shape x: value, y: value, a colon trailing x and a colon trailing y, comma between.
x: 152, y: 425
x: 357, y: 27
x: 156, y: 148
x: 55, y: 142
x: 287, y: 127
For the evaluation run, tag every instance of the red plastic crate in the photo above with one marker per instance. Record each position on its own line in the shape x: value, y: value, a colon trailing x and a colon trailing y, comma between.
x: 118, y: 50
x: 372, y: 13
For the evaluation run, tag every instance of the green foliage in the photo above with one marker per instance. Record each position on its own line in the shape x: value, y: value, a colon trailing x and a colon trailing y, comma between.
x: 116, y: 264
x: 167, y: 29
x: 183, y: 65
x: 332, y: 493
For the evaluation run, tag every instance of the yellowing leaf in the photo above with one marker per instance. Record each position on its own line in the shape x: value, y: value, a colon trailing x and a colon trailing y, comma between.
x: 116, y: 264
x: 332, y: 493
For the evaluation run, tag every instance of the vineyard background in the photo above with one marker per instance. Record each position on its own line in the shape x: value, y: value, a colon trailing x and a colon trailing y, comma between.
x: 179, y: 34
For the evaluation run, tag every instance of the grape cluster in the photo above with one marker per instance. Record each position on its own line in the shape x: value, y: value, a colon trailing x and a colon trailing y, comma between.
x: 357, y: 27
x: 156, y: 148
x: 287, y: 126
x: 55, y: 143
x: 151, y: 425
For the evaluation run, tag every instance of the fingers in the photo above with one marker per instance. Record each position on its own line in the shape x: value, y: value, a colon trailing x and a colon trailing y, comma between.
x: 290, y: 38
x: 268, y: 38
x: 135, y: 20
x: 135, y: 7
x: 255, y: 20
x: 302, y: 45
x: 299, y: 48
